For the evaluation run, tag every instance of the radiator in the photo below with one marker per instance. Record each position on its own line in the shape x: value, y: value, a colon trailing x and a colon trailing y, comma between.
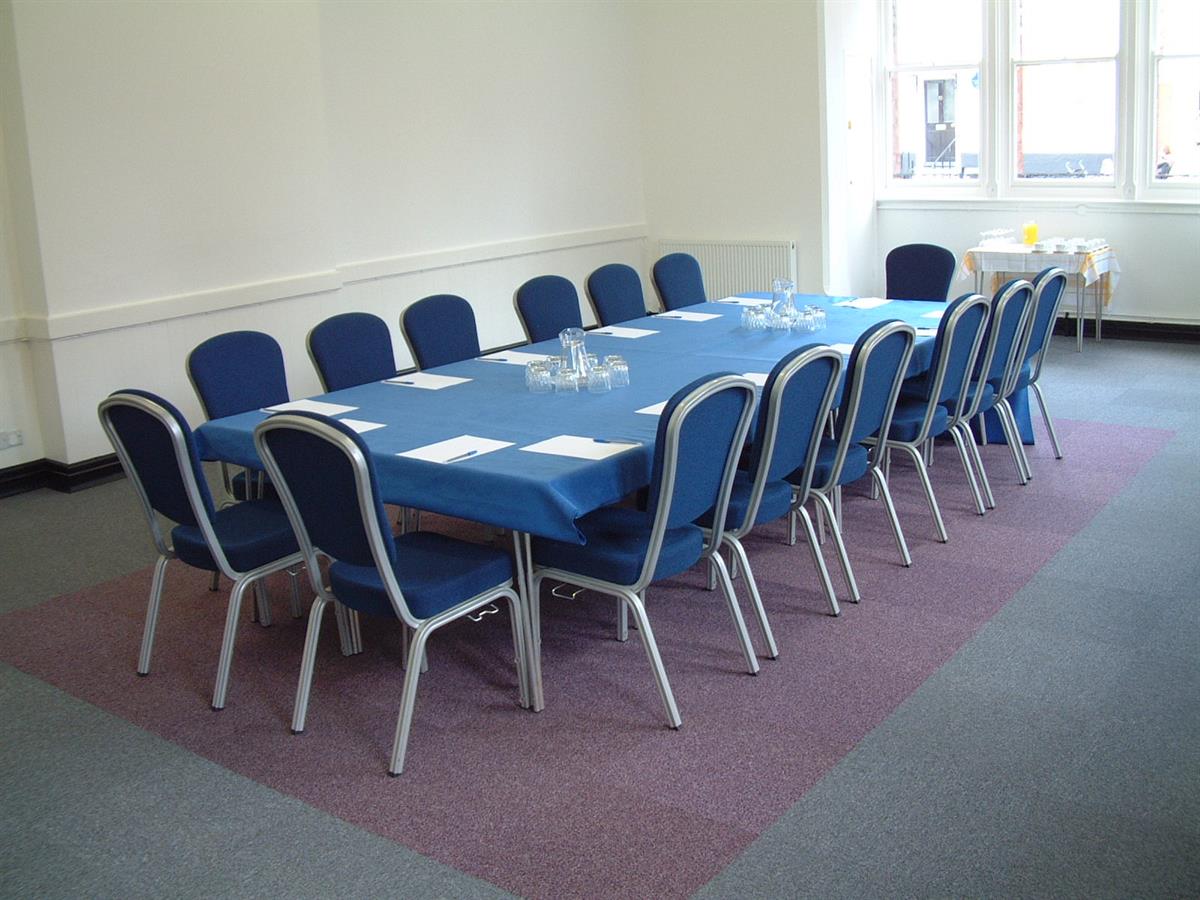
x: 734, y: 267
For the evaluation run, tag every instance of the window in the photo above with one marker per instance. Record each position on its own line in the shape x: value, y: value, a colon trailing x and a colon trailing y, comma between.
x: 1175, y: 62
x: 1064, y: 89
x: 934, y: 89
x: 1095, y: 98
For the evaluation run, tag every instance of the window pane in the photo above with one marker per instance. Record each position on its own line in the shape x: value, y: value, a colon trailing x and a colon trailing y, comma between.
x: 1178, y: 26
x: 1177, y: 119
x: 1066, y: 121
x: 935, y: 124
x: 1067, y: 29
x: 936, y: 32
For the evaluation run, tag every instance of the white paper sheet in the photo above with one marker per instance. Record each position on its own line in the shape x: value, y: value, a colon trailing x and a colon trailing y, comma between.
x: 926, y: 332
x: 864, y: 302
x: 759, y: 378
x: 933, y: 314
x: 745, y: 301
x: 844, y: 349
x: 313, y: 406
x: 684, y: 316
x: 360, y: 426
x: 465, y: 446
x: 623, y: 332
x: 425, y: 381
x: 580, y: 447
x: 514, y: 357
x: 654, y: 409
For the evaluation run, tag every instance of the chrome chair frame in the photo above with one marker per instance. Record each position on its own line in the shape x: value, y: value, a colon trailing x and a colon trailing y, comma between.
x: 732, y: 536
x: 919, y: 445
x: 828, y: 495
x: 1041, y: 284
x: 632, y: 596
x: 241, y: 580
x: 422, y: 629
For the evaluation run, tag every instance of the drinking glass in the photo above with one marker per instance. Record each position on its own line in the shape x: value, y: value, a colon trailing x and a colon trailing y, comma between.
x: 618, y: 370
x: 538, y: 376
x: 599, y: 381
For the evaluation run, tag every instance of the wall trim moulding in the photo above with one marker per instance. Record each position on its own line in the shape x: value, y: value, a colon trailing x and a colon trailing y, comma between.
x: 159, y: 309
x: 366, y: 270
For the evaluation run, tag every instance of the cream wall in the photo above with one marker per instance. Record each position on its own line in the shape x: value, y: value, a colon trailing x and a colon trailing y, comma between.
x: 198, y: 167
x: 732, y: 112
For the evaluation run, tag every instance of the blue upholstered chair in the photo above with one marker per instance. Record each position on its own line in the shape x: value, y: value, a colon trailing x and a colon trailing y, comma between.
x: 999, y: 364
x: 919, y: 272
x: 350, y: 349
x: 546, y: 305
x: 245, y: 541
x: 932, y: 404
x: 440, y: 330
x: 616, y: 292
x: 1048, y: 289
x: 874, y: 373
x: 328, y: 485
x: 234, y: 373
x: 679, y: 281
x: 795, y: 404
x: 700, y: 435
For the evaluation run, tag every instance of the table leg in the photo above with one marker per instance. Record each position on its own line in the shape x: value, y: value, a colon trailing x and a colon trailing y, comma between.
x: 1102, y: 281
x: 1080, y: 288
x: 523, y: 557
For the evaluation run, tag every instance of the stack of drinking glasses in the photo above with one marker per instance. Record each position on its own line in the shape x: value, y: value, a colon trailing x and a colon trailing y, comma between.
x: 783, y: 314
x: 576, y: 370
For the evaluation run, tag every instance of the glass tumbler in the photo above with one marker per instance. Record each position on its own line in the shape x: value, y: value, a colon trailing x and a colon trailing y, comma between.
x: 599, y: 381
x: 618, y: 370
x: 538, y: 377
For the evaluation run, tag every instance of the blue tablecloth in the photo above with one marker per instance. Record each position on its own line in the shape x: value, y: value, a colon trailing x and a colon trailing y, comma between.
x: 534, y: 492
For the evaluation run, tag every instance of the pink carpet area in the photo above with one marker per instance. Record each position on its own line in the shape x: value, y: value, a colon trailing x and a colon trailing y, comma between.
x: 595, y: 794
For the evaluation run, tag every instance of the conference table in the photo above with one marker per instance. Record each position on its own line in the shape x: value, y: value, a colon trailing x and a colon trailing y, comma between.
x: 535, y: 463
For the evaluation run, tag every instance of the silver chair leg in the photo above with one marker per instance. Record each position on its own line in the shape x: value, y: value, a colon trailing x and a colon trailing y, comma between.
x: 901, y: 544
x: 408, y: 698
x: 263, y: 604
x: 297, y: 604
x: 307, y: 661
x: 984, y: 484
x: 755, y: 598
x: 1037, y: 392
x: 215, y: 583
x: 156, y: 589
x: 839, y: 543
x: 225, y: 662
x: 622, y: 621
x: 516, y: 617
x: 1016, y: 451
x: 739, y: 623
x: 965, y: 458
x: 656, y: 664
x: 927, y: 486
x: 712, y: 576
x: 819, y: 562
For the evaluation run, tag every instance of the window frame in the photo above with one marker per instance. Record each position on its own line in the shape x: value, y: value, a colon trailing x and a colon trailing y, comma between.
x: 1159, y: 189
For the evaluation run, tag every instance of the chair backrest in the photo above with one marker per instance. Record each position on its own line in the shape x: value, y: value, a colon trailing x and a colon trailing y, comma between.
x: 1003, y: 340
x: 238, y: 371
x: 919, y: 272
x: 679, y: 281
x: 327, y: 483
x: 350, y: 349
x: 700, y: 436
x: 1049, y: 287
x: 877, y: 366
x: 955, y: 350
x: 546, y: 305
x: 616, y: 292
x: 158, y: 452
x: 440, y: 330
x: 796, y: 400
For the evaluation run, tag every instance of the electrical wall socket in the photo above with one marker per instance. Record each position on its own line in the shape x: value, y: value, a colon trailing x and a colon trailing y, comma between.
x: 10, y: 439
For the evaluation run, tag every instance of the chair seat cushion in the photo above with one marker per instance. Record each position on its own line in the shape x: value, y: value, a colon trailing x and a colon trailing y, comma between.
x: 907, y: 419
x: 617, y: 539
x: 854, y: 467
x: 435, y: 572
x: 252, y: 534
x: 989, y: 397
x: 775, y: 503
